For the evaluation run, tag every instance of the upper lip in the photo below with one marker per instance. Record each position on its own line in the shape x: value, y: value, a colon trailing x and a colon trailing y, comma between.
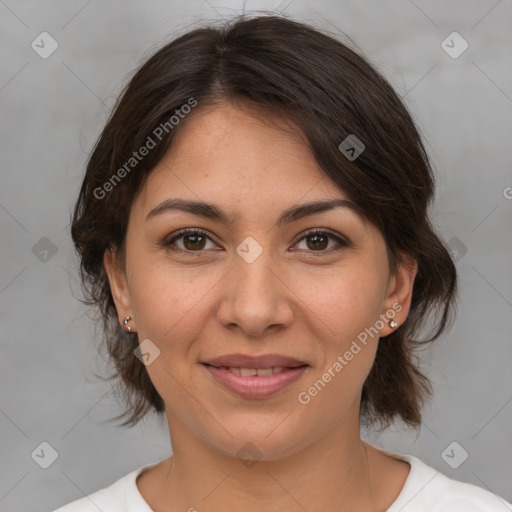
x: 264, y: 361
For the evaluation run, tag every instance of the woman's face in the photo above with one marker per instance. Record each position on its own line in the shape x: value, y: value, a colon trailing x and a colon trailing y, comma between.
x: 253, y: 286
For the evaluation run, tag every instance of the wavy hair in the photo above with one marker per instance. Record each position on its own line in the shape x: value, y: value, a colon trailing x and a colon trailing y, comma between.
x: 328, y: 91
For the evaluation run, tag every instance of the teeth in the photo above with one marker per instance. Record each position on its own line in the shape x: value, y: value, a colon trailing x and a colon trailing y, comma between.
x: 248, y: 372
x: 251, y: 372
x: 264, y: 371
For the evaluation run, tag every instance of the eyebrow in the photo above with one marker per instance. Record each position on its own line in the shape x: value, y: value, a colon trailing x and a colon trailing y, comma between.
x: 211, y: 211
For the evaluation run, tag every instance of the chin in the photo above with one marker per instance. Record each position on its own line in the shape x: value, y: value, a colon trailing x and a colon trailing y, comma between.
x: 252, y: 442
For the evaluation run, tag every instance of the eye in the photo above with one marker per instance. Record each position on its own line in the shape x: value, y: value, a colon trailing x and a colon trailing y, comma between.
x: 194, y: 240
x: 319, y: 241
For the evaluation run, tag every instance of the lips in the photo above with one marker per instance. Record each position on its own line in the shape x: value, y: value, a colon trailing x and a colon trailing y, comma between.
x: 251, y: 372
x: 257, y: 362
x: 255, y: 377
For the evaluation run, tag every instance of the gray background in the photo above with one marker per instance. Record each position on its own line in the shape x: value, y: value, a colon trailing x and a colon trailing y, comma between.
x: 52, y: 112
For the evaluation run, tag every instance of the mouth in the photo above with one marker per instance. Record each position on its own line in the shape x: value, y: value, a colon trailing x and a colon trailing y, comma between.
x: 265, y: 361
x: 255, y: 377
x: 251, y: 372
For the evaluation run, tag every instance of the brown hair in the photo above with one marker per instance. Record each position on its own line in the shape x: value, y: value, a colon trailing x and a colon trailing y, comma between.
x: 329, y: 92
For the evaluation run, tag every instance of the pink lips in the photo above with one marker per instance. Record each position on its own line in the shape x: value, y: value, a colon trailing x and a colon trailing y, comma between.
x: 226, y: 370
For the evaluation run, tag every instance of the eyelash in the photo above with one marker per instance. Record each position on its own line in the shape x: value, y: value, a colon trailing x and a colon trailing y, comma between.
x: 314, y: 231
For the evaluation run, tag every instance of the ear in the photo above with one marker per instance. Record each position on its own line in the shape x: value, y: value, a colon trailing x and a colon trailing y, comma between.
x: 399, y: 293
x: 118, y: 284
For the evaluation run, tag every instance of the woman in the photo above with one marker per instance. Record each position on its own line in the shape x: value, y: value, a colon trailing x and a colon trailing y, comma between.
x: 253, y: 226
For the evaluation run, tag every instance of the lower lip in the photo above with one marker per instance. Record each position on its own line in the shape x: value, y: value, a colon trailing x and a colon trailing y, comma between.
x: 256, y: 386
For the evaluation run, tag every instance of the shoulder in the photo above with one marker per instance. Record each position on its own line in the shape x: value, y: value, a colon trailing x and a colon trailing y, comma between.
x: 122, y: 495
x: 426, y: 489
x: 453, y: 495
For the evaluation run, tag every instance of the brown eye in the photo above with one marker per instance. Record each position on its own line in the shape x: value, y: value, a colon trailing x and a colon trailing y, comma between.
x: 192, y: 240
x: 318, y: 241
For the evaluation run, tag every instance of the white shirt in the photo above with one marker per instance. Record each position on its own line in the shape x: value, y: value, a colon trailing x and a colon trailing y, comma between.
x: 425, y: 490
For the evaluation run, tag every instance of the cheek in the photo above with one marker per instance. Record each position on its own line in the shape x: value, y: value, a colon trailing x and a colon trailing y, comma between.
x: 348, y: 306
x: 171, y: 307
x: 342, y: 302
x: 343, y: 308
x: 171, y: 304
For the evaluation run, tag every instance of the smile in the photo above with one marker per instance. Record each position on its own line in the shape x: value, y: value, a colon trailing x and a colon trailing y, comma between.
x: 251, y: 372
x: 255, y: 382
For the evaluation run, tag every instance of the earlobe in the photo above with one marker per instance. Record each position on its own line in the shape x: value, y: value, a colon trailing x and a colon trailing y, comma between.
x: 398, y: 300
x: 118, y: 285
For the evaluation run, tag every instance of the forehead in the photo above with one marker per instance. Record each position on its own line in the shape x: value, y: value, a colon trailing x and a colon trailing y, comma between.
x: 236, y: 151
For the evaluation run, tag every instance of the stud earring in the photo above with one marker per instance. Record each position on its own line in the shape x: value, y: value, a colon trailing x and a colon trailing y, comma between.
x: 125, y: 323
x: 392, y: 324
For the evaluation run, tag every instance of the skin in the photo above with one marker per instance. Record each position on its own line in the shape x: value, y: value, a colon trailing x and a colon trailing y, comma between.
x: 306, y: 303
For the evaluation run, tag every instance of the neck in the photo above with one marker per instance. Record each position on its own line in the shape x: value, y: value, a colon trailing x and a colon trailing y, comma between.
x: 334, y: 473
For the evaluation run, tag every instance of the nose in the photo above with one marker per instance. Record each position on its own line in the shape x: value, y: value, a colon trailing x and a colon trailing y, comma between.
x: 256, y: 297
